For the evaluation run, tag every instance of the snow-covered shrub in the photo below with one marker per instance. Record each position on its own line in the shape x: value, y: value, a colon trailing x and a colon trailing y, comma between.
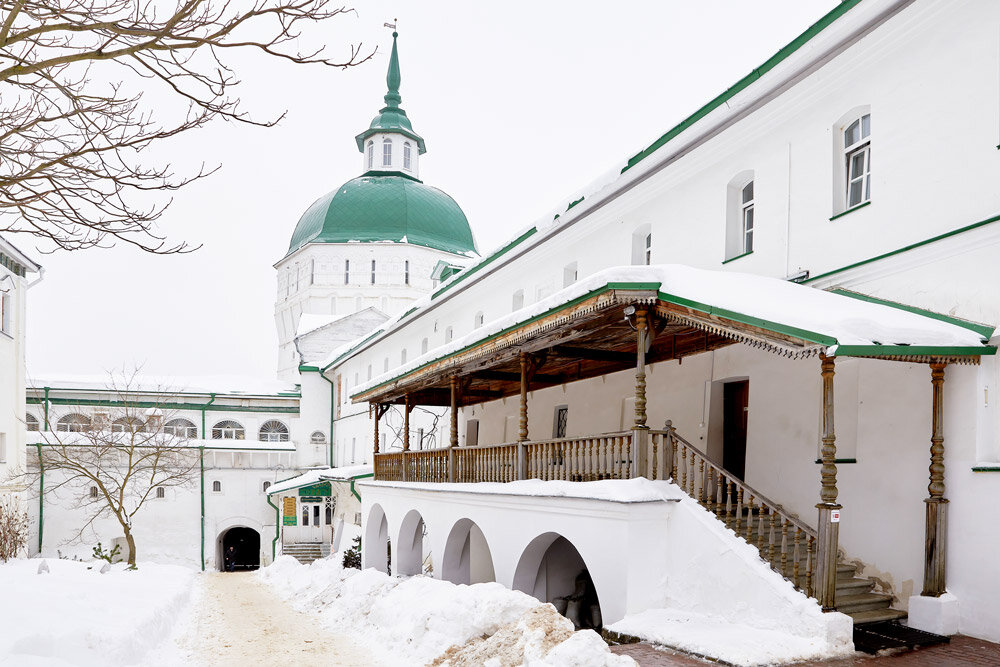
x: 352, y: 556
x: 13, y: 528
x: 109, y: 556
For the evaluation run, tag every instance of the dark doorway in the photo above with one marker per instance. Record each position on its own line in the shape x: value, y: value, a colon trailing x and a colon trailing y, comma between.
x: 246, y: 549
x: 735, y: 401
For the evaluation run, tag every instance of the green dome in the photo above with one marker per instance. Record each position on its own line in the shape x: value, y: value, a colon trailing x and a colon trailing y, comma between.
x: 374, y: 208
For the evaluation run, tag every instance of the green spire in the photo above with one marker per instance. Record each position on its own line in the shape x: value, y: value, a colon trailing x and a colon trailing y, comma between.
x: 392, y: 98
x: 391, y: 118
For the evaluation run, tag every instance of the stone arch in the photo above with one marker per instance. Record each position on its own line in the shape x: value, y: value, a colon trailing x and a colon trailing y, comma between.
x: 551, y: 569
x: 412, y: 555
x: 376, y: 541
x: 245, y: 542
x: 467, y: 557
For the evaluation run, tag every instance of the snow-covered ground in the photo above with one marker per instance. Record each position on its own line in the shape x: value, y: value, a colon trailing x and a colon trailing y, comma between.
x: 74, y: 615
x: 418, y: 619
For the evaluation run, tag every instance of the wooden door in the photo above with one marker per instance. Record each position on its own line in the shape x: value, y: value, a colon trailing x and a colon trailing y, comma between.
x: 735, y: 402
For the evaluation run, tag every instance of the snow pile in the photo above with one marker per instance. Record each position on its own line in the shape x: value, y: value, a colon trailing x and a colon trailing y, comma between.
x: 638, y: 490
x: 416, y: 619
x: 74, y: 615
x: 539, y: 637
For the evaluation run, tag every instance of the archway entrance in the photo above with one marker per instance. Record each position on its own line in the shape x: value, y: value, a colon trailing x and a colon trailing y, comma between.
x: 375, y: 546
x: 245, y: 554
x: 467, y: 558
x: 552, y: 570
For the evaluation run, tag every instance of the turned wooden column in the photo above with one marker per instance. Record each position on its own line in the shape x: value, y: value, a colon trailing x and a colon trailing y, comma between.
x: 453, y: 440
x: 829, y: 510
x: 935, y: 541
x: 640, y: 369
x: 522, y: 434
x: 407, y: 407
x: 378, y: 413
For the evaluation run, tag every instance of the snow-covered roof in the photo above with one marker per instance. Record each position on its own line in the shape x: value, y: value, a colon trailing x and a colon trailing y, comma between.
x: 348, y: 472
x: 311, y: 321
x: 838, y: 323
x: 305, y: 479
x: 206, y: 384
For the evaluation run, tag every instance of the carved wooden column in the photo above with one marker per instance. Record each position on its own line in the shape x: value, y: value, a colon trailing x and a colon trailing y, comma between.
x: 936, y: 533
x: 829, y: 510
x: 453, y: 436
x: 640, y: 431
x: 378, y: 413
x: 407, y: 407
x: 522, y: 434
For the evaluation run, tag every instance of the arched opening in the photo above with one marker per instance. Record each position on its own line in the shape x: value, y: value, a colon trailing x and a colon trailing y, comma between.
x: 377, y: 550
x: 412, y: 554
x: 240, y: 548
x: 467, y: 558
x: 552, y: 570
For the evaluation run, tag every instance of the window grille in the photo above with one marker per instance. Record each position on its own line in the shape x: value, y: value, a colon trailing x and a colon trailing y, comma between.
x: 273, y: 431
x: 181, y: 428
x: 228, y: 430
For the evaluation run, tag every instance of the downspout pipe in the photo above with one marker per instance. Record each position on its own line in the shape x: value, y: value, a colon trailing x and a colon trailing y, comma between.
x: 41, y: 494
x: 45, y: 408
x: 277, y: 529
x: 356, y: 495
x: 201, y: 456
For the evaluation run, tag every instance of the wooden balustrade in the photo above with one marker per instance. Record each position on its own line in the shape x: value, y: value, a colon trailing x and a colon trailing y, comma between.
x: 496, y: 463
x: 788, y: 544
x: 429, y: 465
x: 580, y: 459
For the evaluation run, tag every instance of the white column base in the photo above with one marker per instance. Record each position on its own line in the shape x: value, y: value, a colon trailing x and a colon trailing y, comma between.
x: 938, y: 615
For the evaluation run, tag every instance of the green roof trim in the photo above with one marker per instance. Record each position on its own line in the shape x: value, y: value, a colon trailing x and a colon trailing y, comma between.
x: 912, y: 246
x: 983, y: 330
x: 386, y: 207
x: 995, y: 468
x: 574, y: 203
x: 308, y: 369
x: 742, y: 84
x: 912, y: 351
x: 736, y: 257
x: 486, y: 261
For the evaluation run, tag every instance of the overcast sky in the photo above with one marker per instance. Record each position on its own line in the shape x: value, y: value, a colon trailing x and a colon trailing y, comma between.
x: 521, y: 104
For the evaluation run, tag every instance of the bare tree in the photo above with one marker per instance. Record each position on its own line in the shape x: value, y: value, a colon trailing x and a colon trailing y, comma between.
x: 394, y: 424
x: 73, y: 120
x: 13, y: 528
x: 111, y: 466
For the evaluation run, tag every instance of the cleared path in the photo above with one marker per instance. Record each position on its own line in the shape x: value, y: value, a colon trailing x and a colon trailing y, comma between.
x: 237, y: 620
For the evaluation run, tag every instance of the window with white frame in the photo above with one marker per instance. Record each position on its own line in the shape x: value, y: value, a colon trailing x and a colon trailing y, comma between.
x: 181, y: 428
x: 517, y: 302
x: 31, y: 422
x: 642, y: 245
x: 347, y: 272
x: 228, y: 430
x: 479, y: 319
x: 73, y: 423
x: 406, y: 155
x: 570, y: 274
x: 6, y: 311
x: 373, y: 272
x: 857, y: 161
x: 746, y: 217
x: 318, y: 438
x: 273, y: 431
x: 371, y: 154
x: 93, y: 492
x: 216, y: 486
x: 161, y: 492
x: 387, y: 152
x: 406, y: 272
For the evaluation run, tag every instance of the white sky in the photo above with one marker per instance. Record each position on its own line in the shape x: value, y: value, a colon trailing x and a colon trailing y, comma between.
x: 521, y: 105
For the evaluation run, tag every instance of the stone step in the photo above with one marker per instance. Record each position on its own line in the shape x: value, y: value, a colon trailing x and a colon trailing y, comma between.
x: 846, y: 571
x: 853, y: 586
x: 862, y: 602
x: 876, y: 616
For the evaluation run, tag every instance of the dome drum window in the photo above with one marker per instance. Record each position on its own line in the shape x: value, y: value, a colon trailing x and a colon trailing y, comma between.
x: 387, y: 152
x: 273, y: 431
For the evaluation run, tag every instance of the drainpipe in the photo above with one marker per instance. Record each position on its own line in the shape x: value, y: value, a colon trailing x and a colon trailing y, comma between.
x: 45, y: 408
x: 201, y: 454
x: 352, y: 484
x: 41, y: 491
x: 333, y: 409
x: 277, y: 528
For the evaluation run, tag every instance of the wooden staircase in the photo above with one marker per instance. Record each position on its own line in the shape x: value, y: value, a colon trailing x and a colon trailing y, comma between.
x: 783, y: 540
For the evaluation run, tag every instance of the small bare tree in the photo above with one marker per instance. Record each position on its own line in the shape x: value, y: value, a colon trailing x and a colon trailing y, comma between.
x: 73, y: 120
x: 13, y: 528
x: 116, y: 463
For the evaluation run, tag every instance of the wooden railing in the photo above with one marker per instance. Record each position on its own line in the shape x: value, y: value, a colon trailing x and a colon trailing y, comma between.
x: 429, y: 465
x: 496, y: 463
x: 783, y: 540
x: 389, y: 465
x: 580, y: 459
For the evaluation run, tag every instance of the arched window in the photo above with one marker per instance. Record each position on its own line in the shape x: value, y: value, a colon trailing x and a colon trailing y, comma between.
x: 267, y: 485
x: 740, y: 215
x: 642, y: 245
x: 387, y: 152
x: 479, y: 319
x: 273, y: 431
x: 93, y: 492
x: 216, y: 486
x: 228, y: 430
x: 857, y: 160
x: 406, y: 272
x: 423, y: 346
x: 517, y: 303
x: 181, y: 428
x: 406, y: 155
x: 31, y: 422
x: 127, y: 425
x: 371, y: 154
x: 73, y: 423
x: 318, y: 438
x: 373, y: 272
x: 161, y: 492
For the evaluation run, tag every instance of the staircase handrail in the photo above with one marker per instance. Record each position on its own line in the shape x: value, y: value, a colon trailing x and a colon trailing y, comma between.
x: 671, y: 433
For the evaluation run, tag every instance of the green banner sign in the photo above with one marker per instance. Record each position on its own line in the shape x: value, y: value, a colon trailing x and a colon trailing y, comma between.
x: 321, y: 489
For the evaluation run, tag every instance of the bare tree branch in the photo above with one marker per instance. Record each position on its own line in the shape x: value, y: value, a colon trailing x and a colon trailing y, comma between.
x: 72, y: 139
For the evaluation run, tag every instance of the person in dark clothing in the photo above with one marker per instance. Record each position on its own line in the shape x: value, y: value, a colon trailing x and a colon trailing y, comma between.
x: 229, y: 559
